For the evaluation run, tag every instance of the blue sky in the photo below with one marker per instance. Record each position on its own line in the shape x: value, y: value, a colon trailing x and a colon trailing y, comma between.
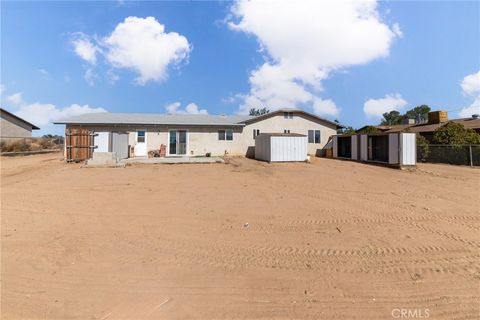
x: 64, y: 58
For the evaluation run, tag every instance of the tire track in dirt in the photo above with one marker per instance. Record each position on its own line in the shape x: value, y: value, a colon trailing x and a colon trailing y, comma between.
x: 379, y: 260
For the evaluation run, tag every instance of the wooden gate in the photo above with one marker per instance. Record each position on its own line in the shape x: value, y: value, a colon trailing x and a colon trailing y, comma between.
x: 79, y: 144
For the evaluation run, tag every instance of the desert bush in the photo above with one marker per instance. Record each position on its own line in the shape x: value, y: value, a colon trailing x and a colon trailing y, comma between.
x: 28, y: 144
x: 422, y: 147
x: 453, y: 133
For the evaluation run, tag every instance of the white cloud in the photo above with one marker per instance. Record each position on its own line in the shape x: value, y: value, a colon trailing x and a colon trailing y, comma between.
x: 141, y: 44
x: 305, y: 42
x: 43, y: 72
x: 191, y: 108
x: 112, y: 77
x: 474, y: 108
x: 15, y: 98
x: 85, y: 48
x: 137, y: 44
x: 2, y: 88
x: 90, y: 77
x: 42, y: 114
x: 471, y: 87
x: 471, y: 84
x: 374, y: 108
x: 325, y: 107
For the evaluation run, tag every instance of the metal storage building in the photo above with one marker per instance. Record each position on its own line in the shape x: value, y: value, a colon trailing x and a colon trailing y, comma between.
x: 115, y: 141
x: 398, y: 149
x: 280, y: 147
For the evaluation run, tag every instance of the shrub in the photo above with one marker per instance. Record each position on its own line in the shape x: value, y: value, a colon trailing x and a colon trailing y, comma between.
x: 370, y: 130
x: 422, y: 147
x: 453, y: 133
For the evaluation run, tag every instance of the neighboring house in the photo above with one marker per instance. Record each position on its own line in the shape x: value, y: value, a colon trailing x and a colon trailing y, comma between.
x: 434, y: 122
x: 12, y: 127
x: 194, y: 135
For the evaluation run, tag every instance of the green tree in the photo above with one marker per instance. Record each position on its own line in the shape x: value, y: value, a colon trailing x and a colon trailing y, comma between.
x: 347, y: 131
x: 422, y: 147
x: 369, y: 130
x: 258, y: 112
x: 453, y: 133
x: 391, y: 118
x: 419, y: 113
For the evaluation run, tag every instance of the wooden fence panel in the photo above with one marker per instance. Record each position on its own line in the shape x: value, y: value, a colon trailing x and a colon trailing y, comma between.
x: 79, y: 144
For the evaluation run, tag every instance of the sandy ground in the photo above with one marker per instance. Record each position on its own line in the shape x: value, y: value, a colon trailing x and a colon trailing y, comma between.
x: 327, y: 240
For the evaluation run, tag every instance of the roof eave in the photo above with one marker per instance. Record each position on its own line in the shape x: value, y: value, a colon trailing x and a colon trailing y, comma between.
x: 149, y: 124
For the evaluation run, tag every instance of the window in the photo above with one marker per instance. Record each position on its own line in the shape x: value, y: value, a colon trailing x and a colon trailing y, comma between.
x: 225, y: 134
x: 256, y: 132
x: 313, y: 136
x: 221, y: 134
x: 288, y: 115
x: 286, y: 131
x: 141, y: 136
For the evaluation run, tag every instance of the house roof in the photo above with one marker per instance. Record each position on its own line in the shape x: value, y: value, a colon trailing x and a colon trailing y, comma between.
x: 176, y: 119
x: 34, y: 127
x: 266, y: 115
x: 156, y: 119
x: 425, y: 127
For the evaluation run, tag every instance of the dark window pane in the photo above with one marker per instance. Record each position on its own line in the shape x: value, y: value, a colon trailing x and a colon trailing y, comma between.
x: 173, y: 142
x: 141, y: 136
x: 221, y: 134
x: 310, y: 136
x: 317, y: 136
x: 229, y: 135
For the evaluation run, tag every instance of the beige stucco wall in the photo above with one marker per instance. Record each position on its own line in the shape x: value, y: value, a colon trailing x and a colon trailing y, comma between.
x: 300, y: 123
x: 205, y: 139
x: 11, y: 127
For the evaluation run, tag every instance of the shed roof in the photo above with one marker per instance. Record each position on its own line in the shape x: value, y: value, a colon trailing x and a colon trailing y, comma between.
x: 471, y: 123
x: 34, y: 127
x: 282, y: 134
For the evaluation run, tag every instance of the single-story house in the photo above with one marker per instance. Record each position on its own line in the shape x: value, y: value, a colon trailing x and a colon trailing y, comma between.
x: 199, y: 134
x: 14, y: 127
x: 434, y: 121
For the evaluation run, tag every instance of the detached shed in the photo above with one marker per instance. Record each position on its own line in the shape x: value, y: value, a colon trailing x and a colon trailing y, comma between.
x: 280, y: 147
x: 398, y: 149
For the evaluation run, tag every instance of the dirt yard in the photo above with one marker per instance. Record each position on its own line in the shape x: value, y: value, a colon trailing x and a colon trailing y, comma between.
x: 327, y: 240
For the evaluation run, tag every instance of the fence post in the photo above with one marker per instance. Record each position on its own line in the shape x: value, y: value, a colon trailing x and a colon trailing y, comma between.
x: 471, y: 158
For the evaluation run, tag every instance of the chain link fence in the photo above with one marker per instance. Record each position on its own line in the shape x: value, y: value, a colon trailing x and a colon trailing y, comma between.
x: 468, y: 155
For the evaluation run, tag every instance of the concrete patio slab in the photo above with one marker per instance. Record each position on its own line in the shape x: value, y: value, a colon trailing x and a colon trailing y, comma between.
x: 172, y: 160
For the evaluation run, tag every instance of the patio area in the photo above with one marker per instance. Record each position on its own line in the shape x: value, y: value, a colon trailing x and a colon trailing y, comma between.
x: 172, y: 160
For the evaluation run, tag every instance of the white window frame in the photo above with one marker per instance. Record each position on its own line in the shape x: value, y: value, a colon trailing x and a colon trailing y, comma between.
x: 144, y: 136
x: 225, y: 134
x: 187, y: 136
x: 256, y: 132
x: 314, y: 135
x: 288, y: 115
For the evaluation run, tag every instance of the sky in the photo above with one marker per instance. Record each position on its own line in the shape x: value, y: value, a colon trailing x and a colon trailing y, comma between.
x: 344, y: 60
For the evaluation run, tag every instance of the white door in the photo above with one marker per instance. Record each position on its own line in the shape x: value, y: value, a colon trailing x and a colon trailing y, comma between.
x: 141, y: 144
x: 101, y: 141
